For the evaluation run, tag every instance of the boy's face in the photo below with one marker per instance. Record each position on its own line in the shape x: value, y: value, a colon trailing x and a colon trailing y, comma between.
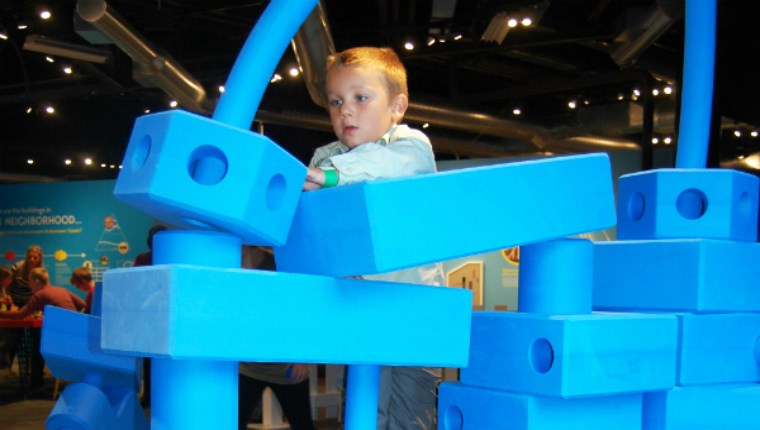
x: 361, y: 110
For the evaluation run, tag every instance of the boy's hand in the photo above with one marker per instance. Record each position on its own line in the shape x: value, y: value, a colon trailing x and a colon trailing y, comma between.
x: 315, y: 177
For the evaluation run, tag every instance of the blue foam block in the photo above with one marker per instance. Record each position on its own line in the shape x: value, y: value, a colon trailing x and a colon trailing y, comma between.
x: 703, y: 407
x: 392, y: 224
x: 193, y: 172
x: 719, y: 348
x: 687, y: 274
x: 282, y: 317
x: 83, y: 406
x: 71, y: 347
x: 688, y: 203
x: 572, y: 355
x: 462, y: 407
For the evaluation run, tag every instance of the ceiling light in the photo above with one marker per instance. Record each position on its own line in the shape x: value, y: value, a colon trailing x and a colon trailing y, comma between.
x: 46, y: 45
x: 409, y: 45
x: 572, y: 104
x: 668, y: 140
x: 293, y: 71
x: 45, y: 14
x: 88, y: 161
x: 738, y: 133
x: 50, y: 109
x: 29, y: 109
x: 275, y: 78
x: 753, y: 133
x: 29, y: 161
x: 526, y: 22
x: 173, y: 104
x: 67, y: 161
x: 668, y: 89
x: 22, y: 26
x: 68, y: 70
x: 457, y: 36
x: 655, y: 140
x: 430, y: 41
x: 49, y: 59
x: 516, y: 111
x: 3, y: 35
x: 221, y: 89
x: 655, y: 92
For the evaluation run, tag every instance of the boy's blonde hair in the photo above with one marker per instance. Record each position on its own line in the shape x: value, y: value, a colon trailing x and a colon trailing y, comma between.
x: 80, y: 274
x: 384, y: 60
x: 40, y: 274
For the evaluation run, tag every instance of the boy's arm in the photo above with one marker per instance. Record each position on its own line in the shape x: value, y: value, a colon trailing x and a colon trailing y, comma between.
x: 78, y: 302
x: 404, y: 157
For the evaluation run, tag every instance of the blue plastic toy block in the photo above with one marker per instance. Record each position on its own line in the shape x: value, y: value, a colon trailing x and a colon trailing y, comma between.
x: 688, y: 203
x: 719, y: 348
x: 695, y: 275
x: 703, y: 407
x: 193, y: 172
x: 463, y: 407
x: 282, y: 317
x: 71, y: 347
x: 84, y: 406
x: 572, y: 355
x: 392, y: 224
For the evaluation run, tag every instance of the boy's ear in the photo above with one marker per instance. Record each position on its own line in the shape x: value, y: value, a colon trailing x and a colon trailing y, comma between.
x: 400, y: 103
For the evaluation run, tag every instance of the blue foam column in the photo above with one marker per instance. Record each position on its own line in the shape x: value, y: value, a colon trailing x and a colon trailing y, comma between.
x: 187, y: 394
x: 555, y: 277
x: 257, y: 60
x: 362, y: 388
x: 698, y: 71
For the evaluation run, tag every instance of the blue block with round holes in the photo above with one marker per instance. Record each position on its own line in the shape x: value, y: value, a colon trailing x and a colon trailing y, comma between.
x: 688, y: 203
x: 193, y: 172
x: 464, y: 407
x: 572, y: 355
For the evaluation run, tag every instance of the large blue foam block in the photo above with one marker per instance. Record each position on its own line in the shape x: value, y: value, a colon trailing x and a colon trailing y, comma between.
x: 688, y: 203
x: 572, y: 355
x: 168, y: 311
x: 696, y: 275
x: 463, y: 407
x: 709, y: 407
x: 719, y: 348
x: 193, y: 172
x: 391, y: 224
x: 71, y: 347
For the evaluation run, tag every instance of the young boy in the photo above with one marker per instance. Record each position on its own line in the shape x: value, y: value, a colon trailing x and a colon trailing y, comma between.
x: 81, y: 278
x: 45, y: 294
x: 367, y: 97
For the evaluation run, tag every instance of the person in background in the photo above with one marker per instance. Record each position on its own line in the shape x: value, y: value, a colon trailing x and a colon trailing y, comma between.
x: 146, y: 259
x: 81, y: 278
x: 43, y: 294
x: 288, y: 381
x: 367, y: 97
x: 7, y: 335
x: 19, y: 289
x: 20, y: 292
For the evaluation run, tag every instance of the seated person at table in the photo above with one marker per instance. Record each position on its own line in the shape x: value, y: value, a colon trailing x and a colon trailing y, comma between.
x: 43, y: 294
x: 7, y: 335
x: 81, y: 278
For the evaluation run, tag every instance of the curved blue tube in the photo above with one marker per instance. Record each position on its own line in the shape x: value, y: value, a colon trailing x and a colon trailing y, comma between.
x: 258, y: 59
x: 697, y: 91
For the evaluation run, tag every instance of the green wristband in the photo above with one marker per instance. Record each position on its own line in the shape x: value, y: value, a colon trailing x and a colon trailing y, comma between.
x: 331, y: 178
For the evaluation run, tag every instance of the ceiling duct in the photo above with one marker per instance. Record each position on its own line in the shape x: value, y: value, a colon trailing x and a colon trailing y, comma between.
x: 153, y: 66
x: 643, y: 28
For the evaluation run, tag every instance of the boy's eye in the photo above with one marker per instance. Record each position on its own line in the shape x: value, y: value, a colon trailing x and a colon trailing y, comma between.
x: 335, y: 103
x: 362, y: 98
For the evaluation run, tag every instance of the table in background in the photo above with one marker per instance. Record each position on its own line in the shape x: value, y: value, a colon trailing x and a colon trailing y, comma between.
x: 25, y: 349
